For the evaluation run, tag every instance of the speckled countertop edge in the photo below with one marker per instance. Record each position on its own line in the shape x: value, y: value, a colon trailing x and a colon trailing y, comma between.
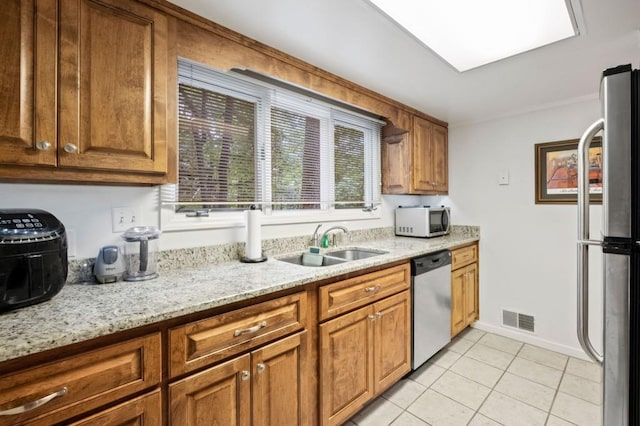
x: 84, y: 311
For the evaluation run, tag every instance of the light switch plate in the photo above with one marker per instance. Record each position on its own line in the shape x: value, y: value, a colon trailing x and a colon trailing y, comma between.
x: 503, y: 178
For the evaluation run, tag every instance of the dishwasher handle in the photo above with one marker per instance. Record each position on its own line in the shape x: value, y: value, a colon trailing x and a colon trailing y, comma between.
x: 424, y: 264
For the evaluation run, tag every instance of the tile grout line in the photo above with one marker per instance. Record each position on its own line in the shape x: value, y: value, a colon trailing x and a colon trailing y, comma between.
x: 564, y: 372
x: 555, y: 394
x: 496, y: 384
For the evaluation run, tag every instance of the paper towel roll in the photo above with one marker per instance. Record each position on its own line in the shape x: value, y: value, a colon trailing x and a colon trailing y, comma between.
x: 253, y: 248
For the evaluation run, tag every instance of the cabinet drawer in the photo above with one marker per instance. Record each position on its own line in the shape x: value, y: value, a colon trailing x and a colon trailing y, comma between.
x: 145, y: 410
x: 92, y: 379
x: 464, y: 256
x: 346, y: 295
x: 202, y: 343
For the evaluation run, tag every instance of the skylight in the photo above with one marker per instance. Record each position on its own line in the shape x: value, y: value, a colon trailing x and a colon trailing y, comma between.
x: 471, y: 33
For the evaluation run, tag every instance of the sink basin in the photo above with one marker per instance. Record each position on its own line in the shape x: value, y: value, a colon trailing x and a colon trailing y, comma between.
x: 336, y: 257
x: 326, y: 260
x: 355, y: 254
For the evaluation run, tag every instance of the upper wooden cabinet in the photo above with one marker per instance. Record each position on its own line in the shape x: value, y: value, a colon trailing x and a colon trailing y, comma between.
x: 106, y: 119
x: 27, y: 91
x: 418, y: 163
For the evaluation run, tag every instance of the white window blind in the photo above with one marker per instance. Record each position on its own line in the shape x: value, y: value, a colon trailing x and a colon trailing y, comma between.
x: 219, y: 127
x: 243, y: 142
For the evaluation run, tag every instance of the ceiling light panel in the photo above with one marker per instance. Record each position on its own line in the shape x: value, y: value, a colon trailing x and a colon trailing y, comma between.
x: 471, y: 33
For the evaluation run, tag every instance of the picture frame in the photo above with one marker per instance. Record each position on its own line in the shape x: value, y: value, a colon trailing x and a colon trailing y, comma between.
x: 556, y: 172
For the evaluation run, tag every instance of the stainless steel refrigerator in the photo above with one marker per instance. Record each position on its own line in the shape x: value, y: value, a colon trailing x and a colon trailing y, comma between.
x: 620, y: 242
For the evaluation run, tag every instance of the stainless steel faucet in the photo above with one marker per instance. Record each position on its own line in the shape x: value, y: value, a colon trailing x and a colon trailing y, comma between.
x: 340, y: 227
x: 315, y: 242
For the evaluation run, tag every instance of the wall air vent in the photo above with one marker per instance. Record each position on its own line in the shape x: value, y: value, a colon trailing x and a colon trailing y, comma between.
x: 517, y: 320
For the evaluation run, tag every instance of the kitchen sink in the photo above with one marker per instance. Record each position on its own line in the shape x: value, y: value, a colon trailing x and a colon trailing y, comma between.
x: 355, y: 254
x: 326, y: 260
x: 336, y: 257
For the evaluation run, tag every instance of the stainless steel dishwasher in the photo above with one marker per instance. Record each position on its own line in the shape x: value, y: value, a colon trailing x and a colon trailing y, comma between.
x: 431, y: 311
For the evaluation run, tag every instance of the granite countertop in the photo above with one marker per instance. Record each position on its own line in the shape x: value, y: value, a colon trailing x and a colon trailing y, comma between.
x: 84, y: 311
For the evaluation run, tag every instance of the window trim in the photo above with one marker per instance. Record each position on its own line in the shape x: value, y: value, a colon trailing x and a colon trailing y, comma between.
x: 265, y: 96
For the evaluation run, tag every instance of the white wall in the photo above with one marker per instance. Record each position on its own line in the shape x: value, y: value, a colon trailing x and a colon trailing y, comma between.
x: 527, y: 251
x: 86, y: 213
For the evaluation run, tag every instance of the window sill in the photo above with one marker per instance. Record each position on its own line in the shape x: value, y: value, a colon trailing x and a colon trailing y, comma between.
x: 171, y: 221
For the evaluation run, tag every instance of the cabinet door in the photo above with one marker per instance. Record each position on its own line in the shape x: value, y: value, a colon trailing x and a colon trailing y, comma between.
x: 392, y: 340
x: 113, y: 65
x: 395, y: 167
x: 27, y: 82
x: 422, y: 153
x: 458, y: 316
x: 346, y: 365
x: 396, y: 158
x: 440, y: 159
x: 279, y: 391
x: 471, y: 293
x: 145, y: 410
x: 220, y: 395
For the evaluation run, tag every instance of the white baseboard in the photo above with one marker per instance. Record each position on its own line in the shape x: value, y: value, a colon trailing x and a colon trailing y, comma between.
x: 531, y: 339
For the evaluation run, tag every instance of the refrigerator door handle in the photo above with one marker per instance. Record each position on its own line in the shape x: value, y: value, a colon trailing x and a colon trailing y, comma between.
x: 584, y: 241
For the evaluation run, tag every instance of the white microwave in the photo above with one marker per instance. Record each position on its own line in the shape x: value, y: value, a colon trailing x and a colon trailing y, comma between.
x: 423, y: 221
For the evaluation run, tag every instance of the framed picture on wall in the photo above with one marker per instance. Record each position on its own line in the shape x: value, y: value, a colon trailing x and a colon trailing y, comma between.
x: 557, y: 172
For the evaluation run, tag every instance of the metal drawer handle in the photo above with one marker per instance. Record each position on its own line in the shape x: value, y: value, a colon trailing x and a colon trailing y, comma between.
x: 33, y: 405
x: 250, y: 329
x: 371, y: 289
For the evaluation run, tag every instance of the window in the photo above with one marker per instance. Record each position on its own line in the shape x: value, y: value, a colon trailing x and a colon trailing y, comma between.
x: 244, y: 142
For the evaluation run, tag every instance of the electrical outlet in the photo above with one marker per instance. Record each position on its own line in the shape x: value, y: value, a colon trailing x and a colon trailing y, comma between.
x: 123, y: 218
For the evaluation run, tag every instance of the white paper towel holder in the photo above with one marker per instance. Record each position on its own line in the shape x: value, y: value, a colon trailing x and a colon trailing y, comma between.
x: 262, y: 258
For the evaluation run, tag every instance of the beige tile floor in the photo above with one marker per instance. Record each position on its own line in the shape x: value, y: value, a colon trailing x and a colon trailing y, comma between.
x: 482, y: 379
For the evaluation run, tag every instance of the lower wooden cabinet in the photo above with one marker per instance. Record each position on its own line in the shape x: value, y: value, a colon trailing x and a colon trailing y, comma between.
x: 68, y: 387
x: 392, y: 340
x: 464, y: 288
x: 264, y: 387
x: 361, y: 354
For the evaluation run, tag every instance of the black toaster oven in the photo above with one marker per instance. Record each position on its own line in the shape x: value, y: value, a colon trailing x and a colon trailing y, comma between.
x: 33, y: 257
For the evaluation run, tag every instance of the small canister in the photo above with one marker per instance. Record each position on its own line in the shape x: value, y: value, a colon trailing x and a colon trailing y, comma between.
x: 141, y: 253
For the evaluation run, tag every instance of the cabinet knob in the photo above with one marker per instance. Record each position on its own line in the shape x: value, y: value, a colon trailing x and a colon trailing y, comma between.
x: 70, y: 148
x: 43, y: 145
x: 261, y: 367
x: 371, y: 317
x: 378, y: 315
x: 245, y: 375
